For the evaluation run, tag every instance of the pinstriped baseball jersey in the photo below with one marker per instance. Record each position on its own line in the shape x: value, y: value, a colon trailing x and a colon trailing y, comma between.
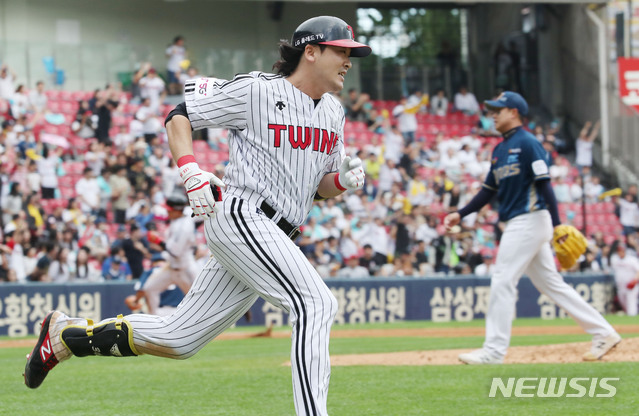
x: 281, y: 143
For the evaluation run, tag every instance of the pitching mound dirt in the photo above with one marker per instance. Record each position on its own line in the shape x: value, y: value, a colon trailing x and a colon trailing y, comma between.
x: 627, y: 350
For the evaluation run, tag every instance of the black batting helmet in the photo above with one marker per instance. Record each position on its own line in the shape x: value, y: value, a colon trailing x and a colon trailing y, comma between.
x: 329, y: 30
x: 177, y: 201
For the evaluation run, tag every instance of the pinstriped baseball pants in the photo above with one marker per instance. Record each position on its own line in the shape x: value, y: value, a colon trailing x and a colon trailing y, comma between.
x: 252, y: 257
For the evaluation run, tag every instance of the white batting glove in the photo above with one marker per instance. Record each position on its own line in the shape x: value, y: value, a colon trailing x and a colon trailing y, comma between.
x: 351, y: 174
x: 198, y: 189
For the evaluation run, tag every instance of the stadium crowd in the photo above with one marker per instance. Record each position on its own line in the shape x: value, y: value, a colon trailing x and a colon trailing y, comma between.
x: 84, y: 177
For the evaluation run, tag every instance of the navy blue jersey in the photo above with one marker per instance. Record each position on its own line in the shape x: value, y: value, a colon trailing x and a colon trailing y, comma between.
x: 517, y: 163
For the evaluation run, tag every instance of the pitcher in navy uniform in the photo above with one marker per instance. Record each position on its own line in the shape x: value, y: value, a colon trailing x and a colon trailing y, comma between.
x: 519, y: 177
x: 285, y: 150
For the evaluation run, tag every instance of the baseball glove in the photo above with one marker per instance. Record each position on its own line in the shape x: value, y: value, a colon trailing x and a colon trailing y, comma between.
x: 569, y: 245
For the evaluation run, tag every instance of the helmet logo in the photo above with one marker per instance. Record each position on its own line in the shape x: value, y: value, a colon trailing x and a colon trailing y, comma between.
x: 351, y: 31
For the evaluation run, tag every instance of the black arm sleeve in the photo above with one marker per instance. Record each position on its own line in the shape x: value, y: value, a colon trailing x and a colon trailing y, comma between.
x: 545, y: 189
x: 179, y: 109
x: 482, y: 198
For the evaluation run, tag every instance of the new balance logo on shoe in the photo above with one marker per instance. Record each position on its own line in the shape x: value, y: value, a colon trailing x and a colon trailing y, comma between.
x: 45, y: 349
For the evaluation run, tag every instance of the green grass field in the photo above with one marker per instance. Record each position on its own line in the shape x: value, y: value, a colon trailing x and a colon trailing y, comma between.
x: 247, y: 377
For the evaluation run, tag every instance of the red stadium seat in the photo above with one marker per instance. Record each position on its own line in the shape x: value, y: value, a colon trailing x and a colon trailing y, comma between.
x: 66, y: 96
x: 52, y: 94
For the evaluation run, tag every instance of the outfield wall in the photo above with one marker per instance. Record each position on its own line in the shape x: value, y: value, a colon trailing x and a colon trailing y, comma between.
x: 22, y: 306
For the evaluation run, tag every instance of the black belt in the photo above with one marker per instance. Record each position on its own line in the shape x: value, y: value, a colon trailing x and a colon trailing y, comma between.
x: 291, y: 231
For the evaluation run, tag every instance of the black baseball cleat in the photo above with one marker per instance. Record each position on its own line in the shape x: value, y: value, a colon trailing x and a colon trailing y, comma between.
x: 42, y: 359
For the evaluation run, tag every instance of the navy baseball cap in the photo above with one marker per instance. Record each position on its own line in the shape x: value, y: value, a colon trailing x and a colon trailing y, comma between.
x: 508, y: 99
x: 329, y: 30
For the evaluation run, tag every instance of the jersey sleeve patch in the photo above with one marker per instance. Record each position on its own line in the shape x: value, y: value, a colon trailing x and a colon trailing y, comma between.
x: 539, y: 168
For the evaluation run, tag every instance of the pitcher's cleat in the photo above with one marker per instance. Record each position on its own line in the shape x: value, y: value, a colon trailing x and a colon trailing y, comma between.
x: 479, y: 356
x: 602, y: 346
x: 42, y: 359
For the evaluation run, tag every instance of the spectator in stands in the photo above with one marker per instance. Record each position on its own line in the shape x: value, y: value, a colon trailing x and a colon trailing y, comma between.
x: 40, y: 273
x: 38, y: 99
x: 107, y: 102
x: 577, y: 190
x: 354, y: 105
x: 59, y: 268
x: 148, y: 115
x: 626, y: 272
x: 393, y: 144
x: 153, y: 87
x: 405, y: 113
x: 12, y: 203
x: 7, y: 79
x: 136, y: 249
x: 439, y: 103
x: 562, y: 190
x: 388, y: 174
x: 17, y: 260
x: 628, y: 214
x: 48, y: 167
x: 158, y: 160
x: 138, y: 179
x: 176, y: 54
x: 593, y: 188
x: 87, y: 190
x: 584, y: 143
x: 466, y: 102
x: 19, y: 102
x: 97, y: 240
x: 96, y: 157
x: 6, y: 273
x: 85, y: 123
x: 352, y: 269
x: 33, y: 179
x: 121, y: 190
x: 487, y: 266
x: 115, y: 266
x: 190, y: 73
x: 374, y: 233
x: 83, y: 268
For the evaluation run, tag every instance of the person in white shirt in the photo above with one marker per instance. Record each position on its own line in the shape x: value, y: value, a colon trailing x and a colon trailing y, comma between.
x: 439, y: 104
x: 38, y: 99
x: 147, y: 115
x: 48, y: 171
x: 626, y: 271
x: 7, y: 79
x: 87, y: 190
x: 393, y: 144
x: 593, y: 188
x: 405, y: 113
x: 352, y: 269
x: 20, y: 103
x: 584, y: 143
x: 466, y: 102
x: 628, y: 212
x: 153, y: 87
x: 485, y: 268
x: 176, y: 54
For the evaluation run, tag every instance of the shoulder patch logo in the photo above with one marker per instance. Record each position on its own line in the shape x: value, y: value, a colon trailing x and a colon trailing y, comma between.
x: 280, y: 105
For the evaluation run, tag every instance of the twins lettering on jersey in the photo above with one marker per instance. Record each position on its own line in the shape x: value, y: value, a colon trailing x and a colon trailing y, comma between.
x: 302, y: 137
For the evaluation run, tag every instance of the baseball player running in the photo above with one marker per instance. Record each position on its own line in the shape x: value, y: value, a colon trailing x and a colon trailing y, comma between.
x: 180, y: 269
x: 519, y: 176
x: 285, y: 150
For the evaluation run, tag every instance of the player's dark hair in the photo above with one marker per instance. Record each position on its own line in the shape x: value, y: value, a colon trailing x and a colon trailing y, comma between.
x: 289, y: 58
